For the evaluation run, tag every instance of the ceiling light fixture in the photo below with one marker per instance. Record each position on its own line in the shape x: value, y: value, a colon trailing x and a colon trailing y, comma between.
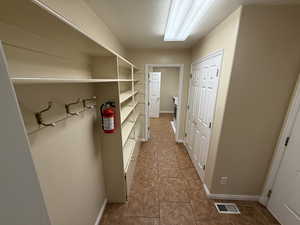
x: 183, y: 15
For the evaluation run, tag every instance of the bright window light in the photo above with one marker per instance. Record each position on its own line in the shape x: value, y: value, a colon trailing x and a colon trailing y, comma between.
x: 183, y: 15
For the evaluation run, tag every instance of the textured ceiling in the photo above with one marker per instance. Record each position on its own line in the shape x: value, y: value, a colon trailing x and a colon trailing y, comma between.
x: 141, y: 23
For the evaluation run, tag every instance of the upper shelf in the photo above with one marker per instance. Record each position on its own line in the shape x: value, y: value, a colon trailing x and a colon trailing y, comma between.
x: 27, y: 80
x: 52, y: 33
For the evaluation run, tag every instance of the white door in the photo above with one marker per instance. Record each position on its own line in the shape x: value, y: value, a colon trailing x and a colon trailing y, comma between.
x: 285, y: 199
x: 191, y: 114
x: 154, y: 94
x: 205, y: 78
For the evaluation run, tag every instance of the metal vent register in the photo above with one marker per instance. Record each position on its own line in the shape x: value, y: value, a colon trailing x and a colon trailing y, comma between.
x: 227, y: 208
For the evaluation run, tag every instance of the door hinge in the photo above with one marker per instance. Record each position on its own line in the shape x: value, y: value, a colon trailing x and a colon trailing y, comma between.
x: 148, y: 128
x: 203, y: 167
x: 269, y: 194
x: 210, y: 124
x: 191, y: 75
x: 217, y: 74
x: 148, y: 103
x: 188, y: 107
x: 185, y: 134
x: 287, y: 141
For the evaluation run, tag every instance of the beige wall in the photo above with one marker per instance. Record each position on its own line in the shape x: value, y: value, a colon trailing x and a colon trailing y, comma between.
x: 253, y: 95
x: 265, y: 69
x: 222, y: 37
x: 81, y: 14
x: 169, y: 87
x: 140, y: 57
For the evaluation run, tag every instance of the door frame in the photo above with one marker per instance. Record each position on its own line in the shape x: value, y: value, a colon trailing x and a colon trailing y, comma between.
x: 149, y: 68
x: 280, y: 146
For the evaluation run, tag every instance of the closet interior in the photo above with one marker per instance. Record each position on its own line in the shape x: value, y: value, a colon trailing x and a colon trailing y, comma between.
x: 61, y: 77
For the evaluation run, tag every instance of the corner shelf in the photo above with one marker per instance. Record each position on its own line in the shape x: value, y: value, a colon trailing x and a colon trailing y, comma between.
x: 126, y: 95
x: 31, y: 80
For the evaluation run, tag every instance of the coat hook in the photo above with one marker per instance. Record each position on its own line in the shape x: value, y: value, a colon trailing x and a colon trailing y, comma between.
x: 67, y: 106
x: 86, y: 101
x: 39, y: 116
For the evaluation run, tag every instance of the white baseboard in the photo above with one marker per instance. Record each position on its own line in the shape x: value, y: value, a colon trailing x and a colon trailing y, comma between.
x: 263, y: 200
x: 101, y: 212
x: 142, y: 139
x: 165, y: 111
x: 230, y: 197
x: 180, y: 141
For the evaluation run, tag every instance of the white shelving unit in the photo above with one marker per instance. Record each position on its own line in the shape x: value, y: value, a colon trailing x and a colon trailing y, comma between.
x: 56, y: 51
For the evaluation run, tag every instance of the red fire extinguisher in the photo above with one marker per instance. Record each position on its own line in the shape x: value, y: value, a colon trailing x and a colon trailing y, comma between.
x: 108, y: 115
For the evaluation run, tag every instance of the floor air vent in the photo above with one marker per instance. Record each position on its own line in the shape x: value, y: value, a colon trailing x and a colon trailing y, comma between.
x: 227, y: 208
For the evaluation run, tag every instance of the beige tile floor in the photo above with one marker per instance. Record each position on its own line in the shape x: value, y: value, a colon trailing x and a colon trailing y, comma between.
x: 167, y: 190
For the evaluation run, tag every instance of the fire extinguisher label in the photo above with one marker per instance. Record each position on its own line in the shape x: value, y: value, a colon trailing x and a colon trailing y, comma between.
x: 108, y: 123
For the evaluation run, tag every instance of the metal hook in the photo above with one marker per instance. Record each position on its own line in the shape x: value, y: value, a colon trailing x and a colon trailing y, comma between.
x: 85, y: 102
x: 39, y: 116
x: 68, y: 111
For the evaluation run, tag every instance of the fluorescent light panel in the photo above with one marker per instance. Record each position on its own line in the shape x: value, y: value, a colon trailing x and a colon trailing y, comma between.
x: 183, y: 15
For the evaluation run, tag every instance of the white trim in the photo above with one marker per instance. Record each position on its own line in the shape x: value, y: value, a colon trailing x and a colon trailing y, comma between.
x: 180, y: 95
x: 230, y: 197
x: 165, y: 111
x: 280, y: 147
x: 210, y: 55
x: 180, y: 141
x: 101, y: 212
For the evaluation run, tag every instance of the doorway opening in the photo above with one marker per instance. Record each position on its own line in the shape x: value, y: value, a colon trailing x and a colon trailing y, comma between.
x: 163, y: 84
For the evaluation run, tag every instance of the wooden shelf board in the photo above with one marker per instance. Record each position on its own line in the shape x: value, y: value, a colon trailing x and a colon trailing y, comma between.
x: 36, y: 80
x: 126, y: 95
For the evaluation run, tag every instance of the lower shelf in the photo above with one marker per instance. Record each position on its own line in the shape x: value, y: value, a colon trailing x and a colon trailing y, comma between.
x: 127, y: 153
x: 127, y: 128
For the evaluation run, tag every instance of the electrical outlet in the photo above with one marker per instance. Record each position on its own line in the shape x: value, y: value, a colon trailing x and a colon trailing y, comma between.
x: 223, y: 180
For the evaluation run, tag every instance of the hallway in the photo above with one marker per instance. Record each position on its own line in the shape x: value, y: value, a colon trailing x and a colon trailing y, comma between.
x: 167, y: 190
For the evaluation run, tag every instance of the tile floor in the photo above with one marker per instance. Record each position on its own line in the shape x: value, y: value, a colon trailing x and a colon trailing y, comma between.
x: 167, y: 190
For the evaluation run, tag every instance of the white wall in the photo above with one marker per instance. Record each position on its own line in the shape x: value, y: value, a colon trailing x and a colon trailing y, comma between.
x: 169, y: 87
